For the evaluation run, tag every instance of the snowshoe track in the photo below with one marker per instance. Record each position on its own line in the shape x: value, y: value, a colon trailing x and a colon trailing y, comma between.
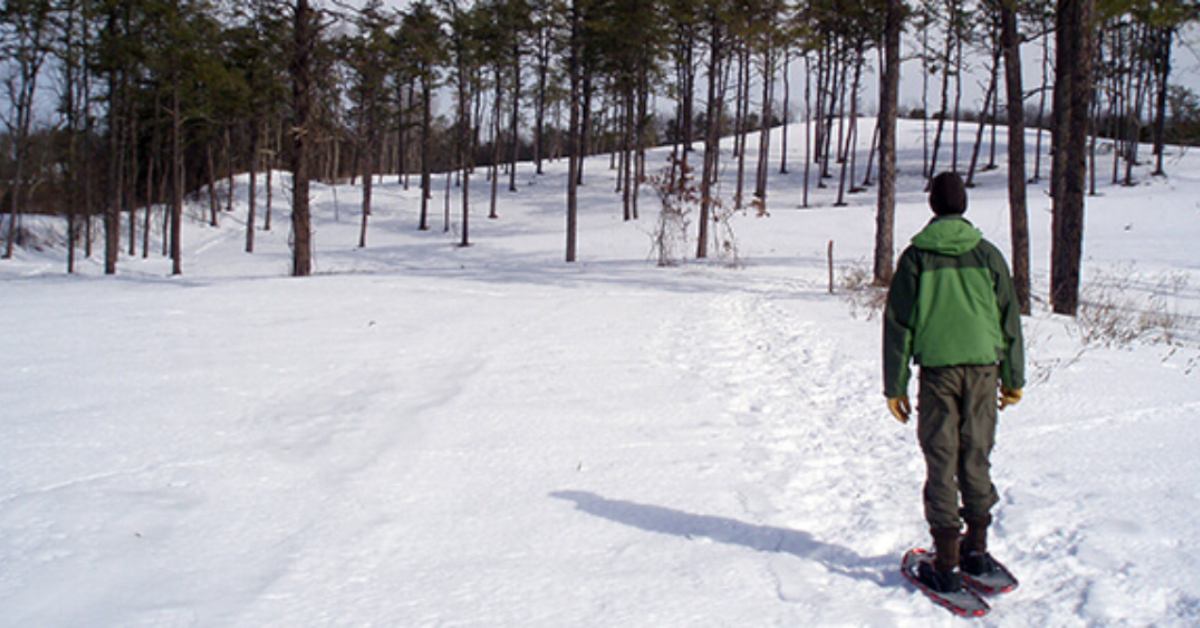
x: 814, y: 439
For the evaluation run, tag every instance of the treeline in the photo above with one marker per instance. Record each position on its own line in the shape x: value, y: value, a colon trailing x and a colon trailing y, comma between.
x: 159, y: 99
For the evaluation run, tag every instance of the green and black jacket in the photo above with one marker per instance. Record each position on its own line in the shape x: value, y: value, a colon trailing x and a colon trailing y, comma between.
x: 951, y: 303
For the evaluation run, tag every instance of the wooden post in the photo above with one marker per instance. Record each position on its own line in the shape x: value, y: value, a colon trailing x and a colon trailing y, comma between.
x: 830, y: 255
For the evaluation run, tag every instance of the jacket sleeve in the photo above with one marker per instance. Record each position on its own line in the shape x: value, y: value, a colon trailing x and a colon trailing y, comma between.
x: 898, y: 324
x: 1012, y: 359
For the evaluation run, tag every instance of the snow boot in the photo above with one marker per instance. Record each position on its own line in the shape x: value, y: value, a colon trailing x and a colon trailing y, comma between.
x: 975, y: 559
x: 942, y: 575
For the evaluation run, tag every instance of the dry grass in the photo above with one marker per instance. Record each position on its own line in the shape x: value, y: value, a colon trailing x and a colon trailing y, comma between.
x: 856, y: 283
x: 1121, y: 307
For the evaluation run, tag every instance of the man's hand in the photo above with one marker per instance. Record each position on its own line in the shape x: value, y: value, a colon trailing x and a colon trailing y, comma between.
x: 900, y: 408
x: 1009, y: 396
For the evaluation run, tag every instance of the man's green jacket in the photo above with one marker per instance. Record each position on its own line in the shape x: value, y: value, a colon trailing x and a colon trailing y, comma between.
x: 951, y: 303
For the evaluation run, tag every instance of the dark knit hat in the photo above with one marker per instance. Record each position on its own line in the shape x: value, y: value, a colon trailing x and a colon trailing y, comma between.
x: 947, y: 195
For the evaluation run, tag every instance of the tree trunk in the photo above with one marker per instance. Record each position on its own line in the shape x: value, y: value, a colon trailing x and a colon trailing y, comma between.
x: 151, y: 170
x: 711, y: 136
x: 787, y: 92
x: 808, y: 127
x: 819, y: 120
x: 1075, y: 23
x: 958, y: 70
x: 625, y: 174
x: 852, y: 132
x: 228, y: 148
x: 1141, y: 72
x: 925, y: 167
x: 943, y: 111
x: 464, y: 149
x: 585, y: 123
x: 539, y: 129
x: 991, y: 165
x: 514, y: 136
x: 176, y: 178
x: 689, y: 88
x: 272, y: 163
x: 764, y: 138
x: 740, y: 126
x: 866, y: 182
x: 368, y: 173
x: 116, y: 170
x: 1037, y: 151
x: 403, y: 146
x: 306, y: 33
x: 426, y: 150
x: 213, y: 204
x: 888, y: 103
x: 446, y: 202
x: 987, y: 104
x: 131, y: 178
x: 1163, y: 58
x: 495, y: 146
x: 252, y: 193
x: 70, y: 66
x: 1010, y: 42
x: 639, y: 171
x: 573, y: 131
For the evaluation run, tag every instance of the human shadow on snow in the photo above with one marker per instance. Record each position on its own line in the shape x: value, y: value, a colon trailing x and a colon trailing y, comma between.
x: 877, y: 570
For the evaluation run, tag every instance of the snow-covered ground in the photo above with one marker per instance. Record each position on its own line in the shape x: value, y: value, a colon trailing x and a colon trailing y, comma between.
x: 427, y: 435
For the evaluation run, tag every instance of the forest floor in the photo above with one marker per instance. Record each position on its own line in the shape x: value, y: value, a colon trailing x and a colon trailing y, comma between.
x: 422, y: 434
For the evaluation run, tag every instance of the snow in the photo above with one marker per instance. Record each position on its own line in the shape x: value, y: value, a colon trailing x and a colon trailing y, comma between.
x: 423, y: 435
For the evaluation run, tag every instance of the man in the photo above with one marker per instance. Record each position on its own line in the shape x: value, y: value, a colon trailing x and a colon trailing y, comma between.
x: 952, y: 309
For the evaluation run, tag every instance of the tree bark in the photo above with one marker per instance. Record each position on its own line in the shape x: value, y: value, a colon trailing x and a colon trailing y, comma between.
x: 495, y: 146
x: 131, y: 181
x: 228, y: 149
x: 1073, y: 87
x: 539, y: 129
x: 368, y: 164
x: 176, y: 178
x: 888, y: 104
x: 426, y: 150
x: 852, y: 131
x: 573, y: 131
x: 688, y: 94
x: 514, y: 136
x: 585, y: 123
x: 251, y: 196
x: 711, y: 137
x: 1037, y: 151
x: 305, y: 40
x: 112, y: 217
x: 764, y: 137
x: 740, y: 126
x: 787, y: 92
x: 1010, y: 42
x: 464, y: 147
x: 808, y: 127
x: 1163, y: 58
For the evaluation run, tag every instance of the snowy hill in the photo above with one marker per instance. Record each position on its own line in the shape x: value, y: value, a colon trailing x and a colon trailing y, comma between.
x: 426, y: 435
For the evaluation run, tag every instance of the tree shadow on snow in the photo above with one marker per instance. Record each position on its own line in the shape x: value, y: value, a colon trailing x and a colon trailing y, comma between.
x: 879, y: 570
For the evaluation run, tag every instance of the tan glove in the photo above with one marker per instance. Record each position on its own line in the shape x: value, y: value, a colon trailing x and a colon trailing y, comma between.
x: 1009, y: 396
x: 900, y: 408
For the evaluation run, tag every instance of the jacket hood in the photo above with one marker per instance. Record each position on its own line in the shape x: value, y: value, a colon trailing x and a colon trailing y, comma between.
x: 948, y: 236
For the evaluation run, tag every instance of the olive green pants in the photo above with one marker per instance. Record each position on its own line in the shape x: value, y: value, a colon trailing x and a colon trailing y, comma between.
x: 956, y: 426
